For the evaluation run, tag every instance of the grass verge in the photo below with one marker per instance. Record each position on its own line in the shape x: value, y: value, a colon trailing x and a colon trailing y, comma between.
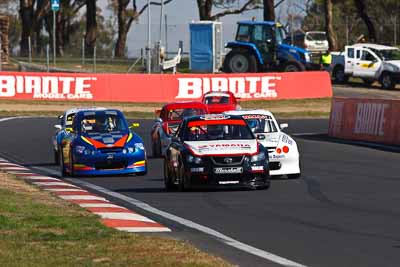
x: 38, y: 229
x: 296, y: 108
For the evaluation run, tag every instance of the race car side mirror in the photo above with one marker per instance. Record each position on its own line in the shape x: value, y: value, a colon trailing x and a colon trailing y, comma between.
x: 57, y: 127
x: 70, y: 130
x: 260, y: 137
x: 134, y: 125
x: 283, y: 125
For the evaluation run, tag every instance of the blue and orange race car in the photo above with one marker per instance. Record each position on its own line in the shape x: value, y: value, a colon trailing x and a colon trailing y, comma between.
x: 101, y: 143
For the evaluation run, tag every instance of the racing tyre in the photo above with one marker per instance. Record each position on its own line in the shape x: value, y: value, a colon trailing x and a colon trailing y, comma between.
x: 169, y: 185
x: 387, y: 81
x: 56, y: 158
x: 181, y: 178
x: 293, y: 66
x: 156, y: 147
x: 71, y: 164
x: 62, y: 165
x: 239, y: 62
x: 339, y: 76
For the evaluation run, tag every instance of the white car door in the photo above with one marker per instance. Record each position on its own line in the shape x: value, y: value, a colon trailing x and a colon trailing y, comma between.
x: 367, y: 65
x: 349, y: 60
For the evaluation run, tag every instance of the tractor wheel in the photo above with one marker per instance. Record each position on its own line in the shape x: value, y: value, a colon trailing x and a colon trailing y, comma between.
x: 238, y: 62
x: 293, y: 66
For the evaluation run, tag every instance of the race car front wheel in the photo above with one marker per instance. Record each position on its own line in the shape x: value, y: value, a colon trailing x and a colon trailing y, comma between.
x: 169, y: 185
x: 71, y: 164
x: 62, y: 165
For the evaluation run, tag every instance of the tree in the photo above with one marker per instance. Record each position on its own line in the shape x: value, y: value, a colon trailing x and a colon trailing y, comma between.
x: 332, y: 40
x: 205, y: 8
x: 269, y: 10
x: 26, y: 13
x: 362, y: 12
x: 125, y: 19
x: 91, y: 27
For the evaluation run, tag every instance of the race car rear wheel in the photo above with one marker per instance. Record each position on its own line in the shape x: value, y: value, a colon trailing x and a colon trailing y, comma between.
x: 56, y: 157
x: 71, y: 164
x: 156, y: 148
x: 181, y: 177
x: 62, y: 165
x: 169, y: 185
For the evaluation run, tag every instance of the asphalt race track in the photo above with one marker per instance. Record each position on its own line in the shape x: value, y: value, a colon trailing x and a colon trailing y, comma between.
x: 344, y: 211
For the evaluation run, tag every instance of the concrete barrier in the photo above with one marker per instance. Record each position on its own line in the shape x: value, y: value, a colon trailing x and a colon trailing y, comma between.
x: 373, y: 120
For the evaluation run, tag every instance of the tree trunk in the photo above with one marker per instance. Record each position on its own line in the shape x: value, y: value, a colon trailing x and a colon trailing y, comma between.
x: 91, y: 27
x: 362, y: 12
x: 269, y: 10
x: 329, y: 25
x: 119, y: 50
x: 26, y: 13
x: 205, y: 8
x: 60, y: 28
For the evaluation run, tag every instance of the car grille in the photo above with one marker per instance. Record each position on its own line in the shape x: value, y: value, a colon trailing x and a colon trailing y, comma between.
x: 108, y: 150
x: 274, y: 166
x: 227, y: 160
x: 110, y: 165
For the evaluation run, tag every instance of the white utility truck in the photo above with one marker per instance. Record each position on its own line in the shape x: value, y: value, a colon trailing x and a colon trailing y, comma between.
x: 370, y: 62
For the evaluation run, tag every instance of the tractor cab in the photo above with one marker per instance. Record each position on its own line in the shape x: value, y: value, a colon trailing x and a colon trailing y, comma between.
x: 259, y: 46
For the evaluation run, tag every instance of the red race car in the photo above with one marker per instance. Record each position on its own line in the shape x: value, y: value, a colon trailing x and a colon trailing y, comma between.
x: 168, y: 120
x: 219, y: 102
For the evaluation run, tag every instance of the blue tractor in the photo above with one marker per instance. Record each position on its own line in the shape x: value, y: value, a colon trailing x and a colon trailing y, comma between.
x: 259, y: 46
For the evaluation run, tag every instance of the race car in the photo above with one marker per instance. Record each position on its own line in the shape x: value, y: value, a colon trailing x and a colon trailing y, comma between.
x: 219, y: 102
x: 101, y: 143
x: 215, y: 150
x: 64, y: 128
x: 168, y: 120
x: 284, y: 158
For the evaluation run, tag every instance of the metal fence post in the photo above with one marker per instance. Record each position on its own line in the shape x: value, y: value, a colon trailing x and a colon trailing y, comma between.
x: 83, y: 51
x: 30, y: 49
x: 395, y: 30
x: 1, y: 55
x: 94, y: 59
x: 48, y: 57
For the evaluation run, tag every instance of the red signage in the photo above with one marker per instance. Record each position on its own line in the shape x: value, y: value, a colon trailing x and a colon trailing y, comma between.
x: 372, y: 120
x: 162, y: 87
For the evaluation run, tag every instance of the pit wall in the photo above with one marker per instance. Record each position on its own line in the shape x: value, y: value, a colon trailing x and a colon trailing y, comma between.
x: 372, y: 120
x: 161, y: 87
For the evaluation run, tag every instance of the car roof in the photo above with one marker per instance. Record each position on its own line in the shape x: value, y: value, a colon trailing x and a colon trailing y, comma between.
x: 374, y: 46
x: 250, y: 22
x: 249, y: 111
x: 77, y: 109
x: 192, y: 104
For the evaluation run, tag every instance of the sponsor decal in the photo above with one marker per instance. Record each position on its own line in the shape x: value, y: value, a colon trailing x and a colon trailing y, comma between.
x: 286, y: 139
x: 208, y: 117
x: 242, y: 87
x: 217, y: 147
x: 201, y: 169
x: 228, y: 182
x: 336, y: 117
x: 274, y: 156
x: 370, y: 119
x: 47, y: 87
x: 257, y: 168
x: 228, y: 170
x: 258, y: 117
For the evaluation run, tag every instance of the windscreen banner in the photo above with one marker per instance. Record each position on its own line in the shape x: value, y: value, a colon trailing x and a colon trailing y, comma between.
x: 162, y: 87
x: 373, y: 120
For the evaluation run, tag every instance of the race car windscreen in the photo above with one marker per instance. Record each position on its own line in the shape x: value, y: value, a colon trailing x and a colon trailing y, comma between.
x: 102, y: 122
x: 217, y: 99
x: 261, y: 123
x: 180, y: 113
x: 217, y: 130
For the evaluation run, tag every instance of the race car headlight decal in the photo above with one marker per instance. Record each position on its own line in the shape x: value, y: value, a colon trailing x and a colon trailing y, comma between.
x: 258, y: 157
x: 81, y: 150
x: 128, y: 150
x: 139, y: 146
x: 191, y: 159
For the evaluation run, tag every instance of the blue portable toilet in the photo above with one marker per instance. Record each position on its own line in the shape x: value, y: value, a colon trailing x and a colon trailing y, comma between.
x: 205, y: 46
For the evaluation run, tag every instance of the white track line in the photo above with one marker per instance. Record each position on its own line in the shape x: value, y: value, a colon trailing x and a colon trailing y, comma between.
x: 100, y: 205
x: 123, y: 216
x: 65, y: 190
x: 40, y: 178
x: 81, y: 197
x: 53, y: 183
x: 143, y: 229
x: 221, y: 237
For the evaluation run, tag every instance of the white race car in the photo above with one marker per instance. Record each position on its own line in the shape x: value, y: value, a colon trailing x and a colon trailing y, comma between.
x: 284, y: 158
